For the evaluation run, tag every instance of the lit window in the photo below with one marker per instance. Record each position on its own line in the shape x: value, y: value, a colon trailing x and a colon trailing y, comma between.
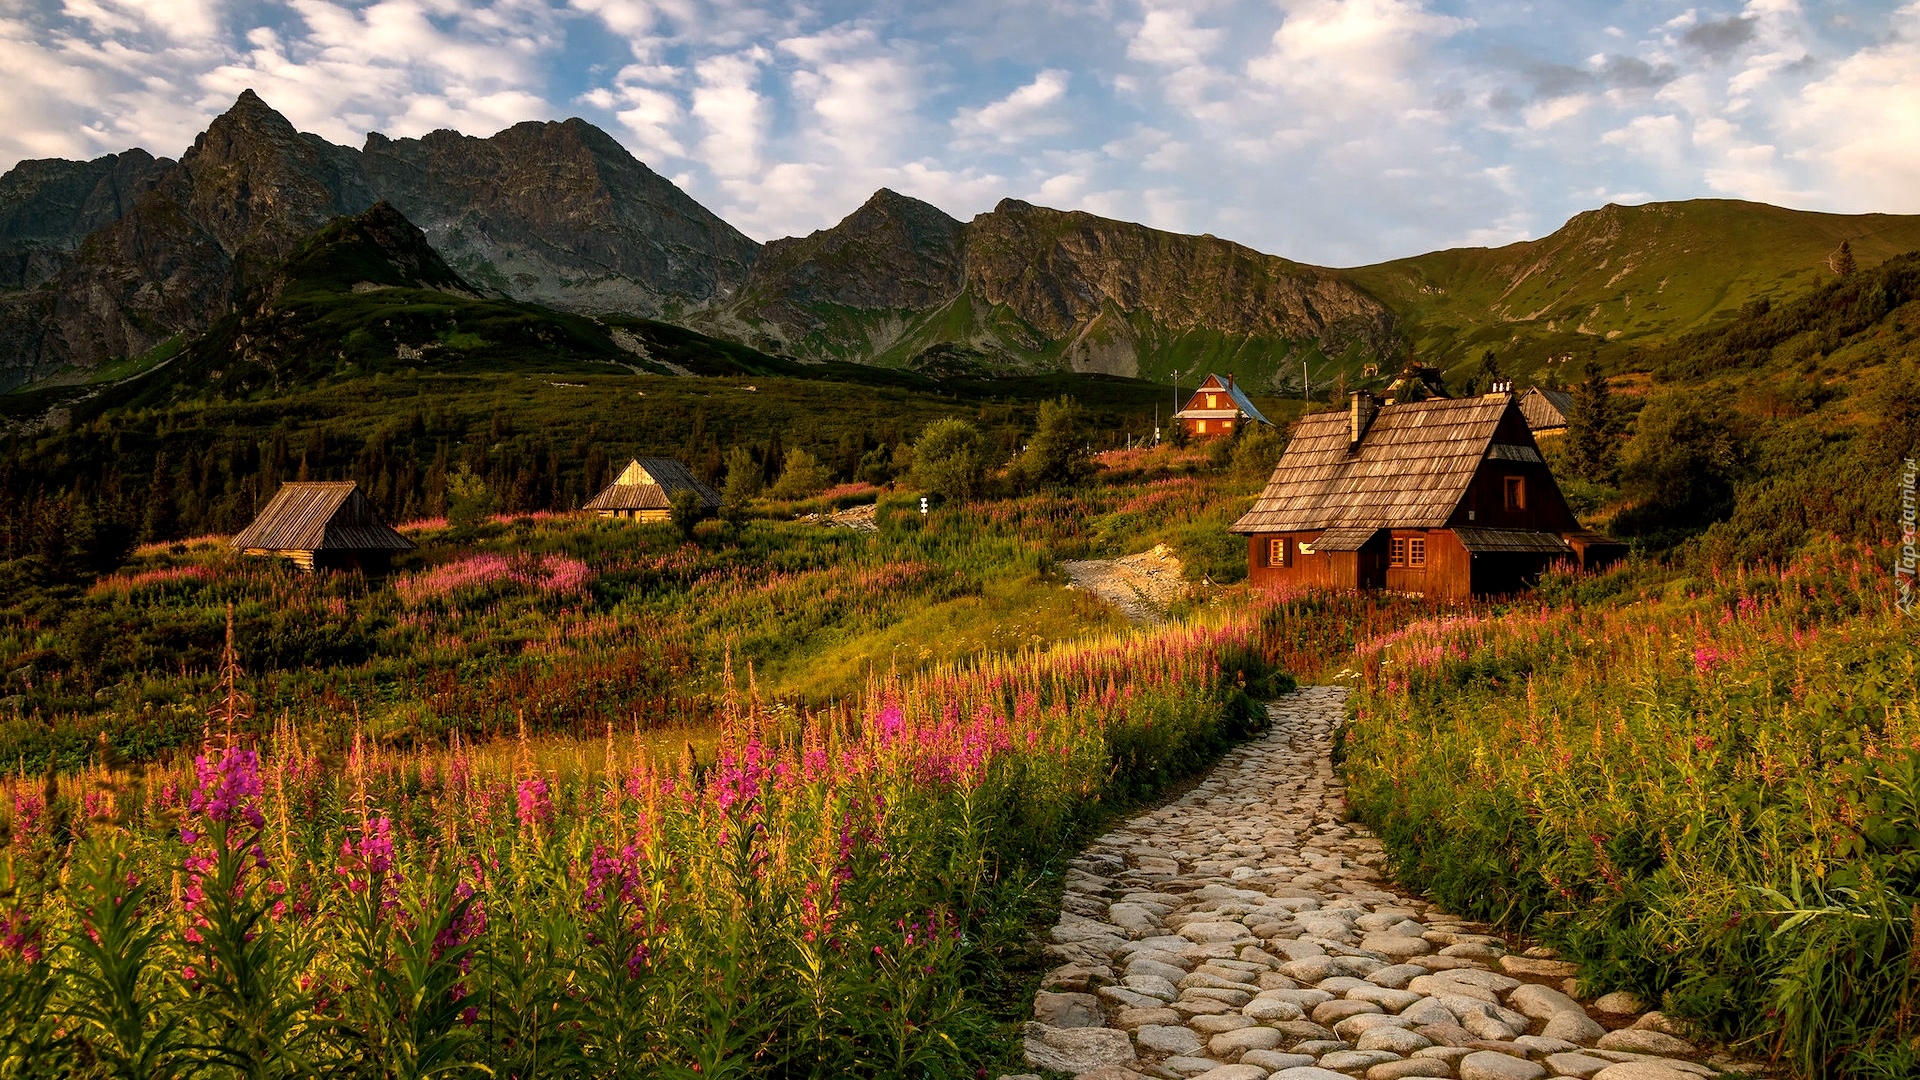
x: 1277, y: 551
x: 1397, y: 551
x: 1200, y: 427
x: 1213, y: 401
x: 1226, y: 425
x: 1416, y: 551
x: 1516, y: 493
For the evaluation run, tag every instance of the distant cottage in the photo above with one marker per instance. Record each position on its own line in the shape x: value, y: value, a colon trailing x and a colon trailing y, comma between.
x: 1444, y: 497
x: 1217, y: 408
x: 1546, y: 410
x: 644, y: 491
x: 323, y: 526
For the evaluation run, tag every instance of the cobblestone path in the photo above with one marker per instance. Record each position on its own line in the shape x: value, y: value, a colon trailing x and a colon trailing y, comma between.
x: 1245, y: 931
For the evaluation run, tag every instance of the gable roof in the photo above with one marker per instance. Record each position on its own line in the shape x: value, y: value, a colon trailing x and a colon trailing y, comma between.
x: 1413, y: 466
x: 1546, y: 408
x: 650, y: 484
x: 320, y: 516
x: 1221, y: 385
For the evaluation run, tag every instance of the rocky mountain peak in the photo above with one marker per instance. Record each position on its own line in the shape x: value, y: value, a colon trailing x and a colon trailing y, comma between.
x: 894, y: 252
x: 259, y: 185
x: 560, y: 213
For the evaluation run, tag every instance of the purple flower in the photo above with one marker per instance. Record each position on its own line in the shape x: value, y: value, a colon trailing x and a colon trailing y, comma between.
x: 19, y: 937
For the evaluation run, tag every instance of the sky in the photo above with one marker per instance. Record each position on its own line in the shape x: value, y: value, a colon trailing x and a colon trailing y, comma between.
x: 1336, y: 132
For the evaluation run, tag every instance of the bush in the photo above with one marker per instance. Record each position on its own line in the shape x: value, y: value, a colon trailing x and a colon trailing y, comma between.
x: 468, y: 501
x: 949, y: 459
x: 802, y: 477
x: 1057, y: 453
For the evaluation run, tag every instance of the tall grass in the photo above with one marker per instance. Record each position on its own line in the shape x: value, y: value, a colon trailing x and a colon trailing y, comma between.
x: 830, y: 893
x: 1705, y: 788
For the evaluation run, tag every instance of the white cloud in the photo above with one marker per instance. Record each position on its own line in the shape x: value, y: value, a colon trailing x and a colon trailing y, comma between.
x: 1026, y: 113
x: 1857, y: 130
x: 1353, y: 55
x: 731, y: 109
x: 1168, y: 36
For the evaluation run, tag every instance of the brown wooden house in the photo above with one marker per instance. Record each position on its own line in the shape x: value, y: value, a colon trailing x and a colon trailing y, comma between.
x: 1546, y: 411
x: 323, y: 526
x: 1219, y: 407
x: 1445, y: 497
x: 644, y: 491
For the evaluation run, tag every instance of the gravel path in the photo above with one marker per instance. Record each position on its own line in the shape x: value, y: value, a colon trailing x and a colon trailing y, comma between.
x: 1245, y: 931
x: 1140, y: 585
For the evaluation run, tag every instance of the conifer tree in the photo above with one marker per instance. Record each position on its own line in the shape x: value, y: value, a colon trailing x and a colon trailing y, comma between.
x: 1590, y: 428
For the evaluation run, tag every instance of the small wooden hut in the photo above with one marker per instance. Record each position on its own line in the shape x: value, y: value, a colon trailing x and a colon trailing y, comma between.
x: 644, y: 491
x: 1444, y: 497
x: 323, y: 526
x: 1546, y: 411
x: 1218, y: 408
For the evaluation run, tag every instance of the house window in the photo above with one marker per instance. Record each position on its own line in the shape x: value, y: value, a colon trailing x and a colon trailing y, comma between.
x: 1226, y: 425
x: 1277, y: 551
x: 1200, y: 427
x: 1213, y: 401
x: 1516, y: 493
x: 1397, y: 551
x: 1416, y: 551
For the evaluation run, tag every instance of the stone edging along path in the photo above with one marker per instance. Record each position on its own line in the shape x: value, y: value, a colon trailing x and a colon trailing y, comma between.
x: 1244, y: 931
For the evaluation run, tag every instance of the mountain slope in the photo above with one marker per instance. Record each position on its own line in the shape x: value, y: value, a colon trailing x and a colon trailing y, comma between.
x: 1625, y: 275
x: 899, y: 283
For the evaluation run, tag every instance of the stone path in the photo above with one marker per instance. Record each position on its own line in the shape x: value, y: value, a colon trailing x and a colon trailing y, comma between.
x: 1245, y: 931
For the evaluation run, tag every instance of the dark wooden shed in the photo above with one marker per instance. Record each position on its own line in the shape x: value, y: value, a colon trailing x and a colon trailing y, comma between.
x: 1440, y: 497
x: 321, y: 526
x: 644, y: 491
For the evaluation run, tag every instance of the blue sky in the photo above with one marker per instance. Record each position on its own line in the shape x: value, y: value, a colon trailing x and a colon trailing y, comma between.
x: 1331, y: 131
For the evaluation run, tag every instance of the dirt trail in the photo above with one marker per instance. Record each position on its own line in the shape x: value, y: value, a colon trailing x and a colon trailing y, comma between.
x: 1141, y: 585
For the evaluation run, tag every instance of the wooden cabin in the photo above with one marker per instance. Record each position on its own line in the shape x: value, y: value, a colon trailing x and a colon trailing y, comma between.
x: 323, y: 526
x: 1219, y: 407
x: 644, y: 491
x: 1546, y: 411
x: 1444, y: 497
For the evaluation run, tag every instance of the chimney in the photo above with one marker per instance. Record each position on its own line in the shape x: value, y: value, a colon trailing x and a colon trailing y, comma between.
x: 1500, y: 388
x: 1359, y: 418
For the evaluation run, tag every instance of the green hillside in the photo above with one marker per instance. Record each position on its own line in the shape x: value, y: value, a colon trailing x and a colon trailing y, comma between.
x: 1621, y: 276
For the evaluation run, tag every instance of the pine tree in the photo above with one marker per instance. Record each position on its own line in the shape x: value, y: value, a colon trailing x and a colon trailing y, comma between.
x: 1842, y: 261
x: 1590, y: 428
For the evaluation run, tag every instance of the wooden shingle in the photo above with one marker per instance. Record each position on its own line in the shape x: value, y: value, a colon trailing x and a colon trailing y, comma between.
x: 1409, y: 471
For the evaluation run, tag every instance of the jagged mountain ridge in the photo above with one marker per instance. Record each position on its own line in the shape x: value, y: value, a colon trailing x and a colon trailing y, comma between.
x: 554, y: 213
x: 113, y: 258
x: 1026, y: 287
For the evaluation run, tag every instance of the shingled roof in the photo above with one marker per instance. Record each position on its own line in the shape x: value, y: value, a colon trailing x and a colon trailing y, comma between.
x: 1412, y: 468
x: 320, y: 516
x: 1546, y: 410
x: 650, y: 484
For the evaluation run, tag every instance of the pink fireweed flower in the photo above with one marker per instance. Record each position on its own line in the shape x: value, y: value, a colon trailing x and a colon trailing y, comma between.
x: 1707, y: 657
x: 19, y: 937
x: 229, y: 790
x: 535, y: 802
x: 739, y: 779
x: 614, y: 880
x: 367, y: 863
